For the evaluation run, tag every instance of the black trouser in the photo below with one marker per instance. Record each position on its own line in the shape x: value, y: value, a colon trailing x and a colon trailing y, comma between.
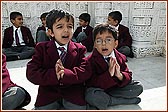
x: 125, y: 95
x: 18, y: 52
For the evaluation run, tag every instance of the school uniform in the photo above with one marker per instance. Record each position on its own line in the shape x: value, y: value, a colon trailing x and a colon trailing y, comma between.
x: 13, y: 96
x: 41, y: 34
x: 104, y: 88
x: 124, y: 41
x: 88, y: 42
x: 41, y: 71
x: 11, y: 49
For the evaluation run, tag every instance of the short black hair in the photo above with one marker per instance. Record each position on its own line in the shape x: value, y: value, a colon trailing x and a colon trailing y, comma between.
x: 13, y: 15
x: 85, y: 16
x: 43, y: 15
x: 116, y: 15
x: 53, y: 15
x: 103, y: 28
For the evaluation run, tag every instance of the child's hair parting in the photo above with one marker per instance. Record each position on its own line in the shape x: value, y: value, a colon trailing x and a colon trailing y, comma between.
x: 85, y: 16
x: 116, y: 15
x: 53, y: 15
x: 101, y: 28
x: 13, y: 15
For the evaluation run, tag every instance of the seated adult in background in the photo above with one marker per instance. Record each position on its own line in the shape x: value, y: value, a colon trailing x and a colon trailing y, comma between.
x: 124, y: 38
x: 42, y: 33
x: 13, y: 96
x: 18, y: 42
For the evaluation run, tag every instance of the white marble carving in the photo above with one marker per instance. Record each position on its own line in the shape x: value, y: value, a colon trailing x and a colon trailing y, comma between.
x: 146, y: 20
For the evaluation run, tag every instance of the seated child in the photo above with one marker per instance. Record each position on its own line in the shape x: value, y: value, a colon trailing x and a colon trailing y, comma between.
x: 13, y: 96
x: 42, y: 31
x: 111, y: 81
x: 18, y: 42
x: 58, y: 66
x: 124, y: 38
x: 83, y: 33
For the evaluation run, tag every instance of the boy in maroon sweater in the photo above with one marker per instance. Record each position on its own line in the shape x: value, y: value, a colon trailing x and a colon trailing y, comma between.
x: 83, y: 33
x: 124, y: 38
x: 111, y: 81
x: 58, y: 66
x: 13, y: 96
x: 42, y: 31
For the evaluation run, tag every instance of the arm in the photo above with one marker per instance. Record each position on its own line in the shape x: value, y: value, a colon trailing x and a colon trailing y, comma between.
x: 127, y: 39
x: 31, y: 40
x: 39, y: 70
x: 6, y: 40
x: 104, y: 78
x: 5, y: 75
x: 80, y: 71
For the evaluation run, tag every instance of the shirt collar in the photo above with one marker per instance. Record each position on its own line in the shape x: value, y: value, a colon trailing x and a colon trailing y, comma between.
x: 83, y: 28
x: 14, y: 28
x: 116, y: 27
x: 65, y: 46
x: 111, y: 55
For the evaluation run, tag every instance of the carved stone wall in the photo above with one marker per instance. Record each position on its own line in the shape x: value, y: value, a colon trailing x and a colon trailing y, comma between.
x: 146, y: 20
x: 148, y: 28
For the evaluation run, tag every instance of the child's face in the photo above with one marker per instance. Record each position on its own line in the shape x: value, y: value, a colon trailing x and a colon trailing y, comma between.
x: 112, y: 22
x: 18, y: 21
x: 83, y: 23
x: 105, y: 43
x: 43, y: 21
x: 62, y: 31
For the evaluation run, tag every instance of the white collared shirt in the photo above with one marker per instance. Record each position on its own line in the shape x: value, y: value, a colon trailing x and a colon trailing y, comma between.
x: 116, y: 27
x: 83, y: 28
x: 65, y: 46
x: 111, y: 55
x: 21, y: 41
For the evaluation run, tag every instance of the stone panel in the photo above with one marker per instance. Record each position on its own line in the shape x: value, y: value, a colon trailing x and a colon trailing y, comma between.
x: 146, y: 20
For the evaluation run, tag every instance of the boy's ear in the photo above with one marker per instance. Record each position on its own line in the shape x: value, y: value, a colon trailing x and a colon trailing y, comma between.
x: 87, y: 23
x: 116, y: 22
x: 12, y: 21
x: 50, y: 32
x: 116, y: 43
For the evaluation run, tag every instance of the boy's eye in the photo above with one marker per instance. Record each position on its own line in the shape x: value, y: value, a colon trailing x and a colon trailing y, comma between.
x: 99, y: 41
x: 108, y: 39
x: 70, y: 26
x: 59, y: 27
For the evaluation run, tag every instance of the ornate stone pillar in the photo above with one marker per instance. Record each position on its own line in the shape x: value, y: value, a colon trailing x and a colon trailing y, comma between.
x: 148, y: 28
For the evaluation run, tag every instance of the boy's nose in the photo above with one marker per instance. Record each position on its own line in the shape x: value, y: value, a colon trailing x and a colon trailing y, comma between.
x: 103, y: 42
x: 65, y: 29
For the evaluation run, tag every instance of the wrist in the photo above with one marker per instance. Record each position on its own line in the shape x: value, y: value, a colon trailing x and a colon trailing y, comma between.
x: 120, y: 76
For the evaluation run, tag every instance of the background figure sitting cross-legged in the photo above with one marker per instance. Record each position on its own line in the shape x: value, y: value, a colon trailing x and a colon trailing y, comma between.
x: 18, y: 42
x: 42, y: 31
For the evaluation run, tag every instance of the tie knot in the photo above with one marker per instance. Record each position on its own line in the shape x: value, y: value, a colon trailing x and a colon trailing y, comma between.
x: 107, y: 59
x: 16, y: 30
x: 61, y: 48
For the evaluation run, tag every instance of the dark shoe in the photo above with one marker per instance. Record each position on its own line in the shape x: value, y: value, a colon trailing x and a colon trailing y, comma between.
x: 138, y: 100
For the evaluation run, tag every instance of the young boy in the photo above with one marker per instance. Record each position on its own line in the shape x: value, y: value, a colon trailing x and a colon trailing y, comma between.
x: 83, y: 33
x: 18, y: 42
x: 124, y: 38
x: 42, y: 31
x: 59, y: 74
x: 111, y: 81
x: 13, y: 96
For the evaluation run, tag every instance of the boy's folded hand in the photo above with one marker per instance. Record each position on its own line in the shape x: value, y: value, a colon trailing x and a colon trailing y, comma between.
x: 59, y: 68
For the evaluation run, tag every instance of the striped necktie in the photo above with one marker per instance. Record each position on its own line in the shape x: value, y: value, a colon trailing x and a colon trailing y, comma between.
x: 107, y: 59
x: 17, y: 38
x: 63, y: 54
